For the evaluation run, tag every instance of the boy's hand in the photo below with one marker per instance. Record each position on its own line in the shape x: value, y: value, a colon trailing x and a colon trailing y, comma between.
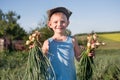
x: 31, y: 46
x: 91, y: 54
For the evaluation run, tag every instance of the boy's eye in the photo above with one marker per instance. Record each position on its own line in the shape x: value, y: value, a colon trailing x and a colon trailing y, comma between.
x: 62, y: 21
x: 55, y: 22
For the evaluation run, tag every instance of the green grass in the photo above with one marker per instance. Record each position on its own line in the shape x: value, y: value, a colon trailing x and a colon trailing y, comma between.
x: 12, y: 65
x: 107, y: 65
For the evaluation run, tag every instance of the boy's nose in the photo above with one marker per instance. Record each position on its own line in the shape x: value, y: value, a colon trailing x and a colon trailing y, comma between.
x: 59, y: 23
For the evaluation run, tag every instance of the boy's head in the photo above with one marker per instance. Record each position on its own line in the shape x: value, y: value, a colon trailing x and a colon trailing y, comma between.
x: 58, y: 19
x: 59, y: 9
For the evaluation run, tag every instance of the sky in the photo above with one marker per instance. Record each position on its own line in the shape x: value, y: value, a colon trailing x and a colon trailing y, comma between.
x: 87, y: 15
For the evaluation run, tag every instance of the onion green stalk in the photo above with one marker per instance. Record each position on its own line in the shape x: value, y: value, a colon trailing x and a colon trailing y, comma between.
x: 86, y: 62
x: 86, y: 66
x: 38, y: 65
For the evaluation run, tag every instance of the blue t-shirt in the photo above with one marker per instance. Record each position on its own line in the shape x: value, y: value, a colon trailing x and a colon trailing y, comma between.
x: 61, y: 56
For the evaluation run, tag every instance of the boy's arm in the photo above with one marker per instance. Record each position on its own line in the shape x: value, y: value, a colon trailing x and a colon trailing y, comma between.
x: 45, y: 47
x: 76, y: 49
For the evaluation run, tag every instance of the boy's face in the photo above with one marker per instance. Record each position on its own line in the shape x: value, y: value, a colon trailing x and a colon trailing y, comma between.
x: 58, y: 22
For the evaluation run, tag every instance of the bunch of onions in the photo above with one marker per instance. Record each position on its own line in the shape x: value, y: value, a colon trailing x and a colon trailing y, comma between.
x: 38, y: 65
x: 86, y: 62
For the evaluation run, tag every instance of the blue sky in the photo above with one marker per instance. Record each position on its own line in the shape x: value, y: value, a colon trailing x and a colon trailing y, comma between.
x: 88, y: 15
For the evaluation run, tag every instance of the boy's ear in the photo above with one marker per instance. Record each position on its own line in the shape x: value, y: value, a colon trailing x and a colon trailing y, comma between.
x: 68, y: 22
x: 49, y: 24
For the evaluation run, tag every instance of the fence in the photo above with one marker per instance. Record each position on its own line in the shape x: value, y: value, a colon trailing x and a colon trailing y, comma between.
x: 1, y: 44
x: 6, y: 44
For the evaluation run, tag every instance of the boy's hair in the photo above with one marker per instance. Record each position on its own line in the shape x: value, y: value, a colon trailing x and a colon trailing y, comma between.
x: 59, y: 9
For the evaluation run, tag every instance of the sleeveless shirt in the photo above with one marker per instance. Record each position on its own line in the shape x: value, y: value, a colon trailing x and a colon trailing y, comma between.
x: 61, y: 56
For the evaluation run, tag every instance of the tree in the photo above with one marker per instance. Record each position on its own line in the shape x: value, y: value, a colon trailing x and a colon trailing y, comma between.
x: 9, y: 26
x: 2, y: 23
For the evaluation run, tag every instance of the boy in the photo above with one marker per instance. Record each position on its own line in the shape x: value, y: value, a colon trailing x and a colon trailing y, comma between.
x: 60, y: 48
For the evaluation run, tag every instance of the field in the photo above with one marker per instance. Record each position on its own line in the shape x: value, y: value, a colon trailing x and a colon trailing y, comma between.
x: 113, y: 36
x: 112, y: 40
x: 107, y: 61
